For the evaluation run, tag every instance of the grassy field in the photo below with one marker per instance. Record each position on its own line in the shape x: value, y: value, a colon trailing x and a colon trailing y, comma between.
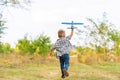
x: 39, y: 68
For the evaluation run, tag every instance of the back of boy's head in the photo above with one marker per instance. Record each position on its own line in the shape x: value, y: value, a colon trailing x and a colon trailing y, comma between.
x: 60, y: 33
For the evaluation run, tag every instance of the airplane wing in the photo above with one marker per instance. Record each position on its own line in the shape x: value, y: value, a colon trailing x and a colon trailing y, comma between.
x: 77, y: 23
x: 71, y: 27
x: 72, y: 23
x: 66, y: 23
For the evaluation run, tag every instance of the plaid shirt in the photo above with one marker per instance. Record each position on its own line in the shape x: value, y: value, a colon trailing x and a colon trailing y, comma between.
x: 62, y: 46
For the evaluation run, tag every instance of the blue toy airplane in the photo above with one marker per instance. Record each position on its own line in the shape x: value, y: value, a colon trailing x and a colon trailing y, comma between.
x: 72, y: 23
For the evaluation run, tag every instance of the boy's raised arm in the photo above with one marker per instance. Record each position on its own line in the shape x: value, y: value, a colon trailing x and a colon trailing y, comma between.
x: 71, y: 33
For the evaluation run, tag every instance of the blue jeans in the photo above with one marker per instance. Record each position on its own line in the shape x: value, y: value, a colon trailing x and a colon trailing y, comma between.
x: 64, y: 62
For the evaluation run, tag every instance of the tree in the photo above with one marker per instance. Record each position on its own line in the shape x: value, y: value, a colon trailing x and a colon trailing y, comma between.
x: 42, y: 44
x: 7, y: 48
x: 7, y: 3
x: 24, y: 45
x: 114, y: 35
x: 97, y: 34
x: 14, y: 2
x: 2, y: 28
x: 1, y: 47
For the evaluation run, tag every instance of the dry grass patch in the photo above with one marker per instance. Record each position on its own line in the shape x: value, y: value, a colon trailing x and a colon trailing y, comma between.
x: 35, y: 67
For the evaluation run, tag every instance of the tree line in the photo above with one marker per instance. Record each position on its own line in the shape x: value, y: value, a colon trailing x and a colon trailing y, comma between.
x: 100, y: 36
x: 41, y: 45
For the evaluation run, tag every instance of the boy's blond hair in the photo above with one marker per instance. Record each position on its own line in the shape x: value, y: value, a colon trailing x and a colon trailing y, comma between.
x: 60, y: 32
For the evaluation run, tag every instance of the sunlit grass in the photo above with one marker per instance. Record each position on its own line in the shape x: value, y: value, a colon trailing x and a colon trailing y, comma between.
x: 39, y: 68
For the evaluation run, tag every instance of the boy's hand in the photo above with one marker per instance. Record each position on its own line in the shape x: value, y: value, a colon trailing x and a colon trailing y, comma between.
x: 51, y: 53
x: 72, y: 31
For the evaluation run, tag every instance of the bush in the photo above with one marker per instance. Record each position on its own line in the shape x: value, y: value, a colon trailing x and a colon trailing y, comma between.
x: 41, y: 45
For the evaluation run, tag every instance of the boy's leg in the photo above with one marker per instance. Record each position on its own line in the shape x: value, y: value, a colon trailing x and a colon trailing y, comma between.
x: 66, y: 64
x: 66, y: 61
x: 62, y: 66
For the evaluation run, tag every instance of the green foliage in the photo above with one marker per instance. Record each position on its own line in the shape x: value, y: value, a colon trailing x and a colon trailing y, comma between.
x: 97, y: 34
x: 79, y: 48
x: 24, y: 45
x: 114, y: 35
x: 14, y: 2
x: 99, y: 49
x: 99, y: 37
x: 2, y: 28
x: 7, y: 48
x: 1, y: 47
x: 41, y: 45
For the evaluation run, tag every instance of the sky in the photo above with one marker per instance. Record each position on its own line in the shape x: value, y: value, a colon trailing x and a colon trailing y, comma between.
x: 45, y: 16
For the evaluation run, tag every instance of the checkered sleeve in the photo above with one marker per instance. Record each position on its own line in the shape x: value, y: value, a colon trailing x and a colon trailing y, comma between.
x: 53, y: 47
x: 68, y: 37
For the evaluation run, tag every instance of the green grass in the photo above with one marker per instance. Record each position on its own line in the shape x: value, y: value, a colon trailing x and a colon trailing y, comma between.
x: 49, y: 70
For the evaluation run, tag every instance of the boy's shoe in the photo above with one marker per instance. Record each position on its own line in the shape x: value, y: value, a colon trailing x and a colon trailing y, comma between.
x: 65, y: 72
x: 63, y: 76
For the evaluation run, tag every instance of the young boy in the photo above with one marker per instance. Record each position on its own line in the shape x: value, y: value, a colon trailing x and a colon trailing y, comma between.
x: 62, y: 47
